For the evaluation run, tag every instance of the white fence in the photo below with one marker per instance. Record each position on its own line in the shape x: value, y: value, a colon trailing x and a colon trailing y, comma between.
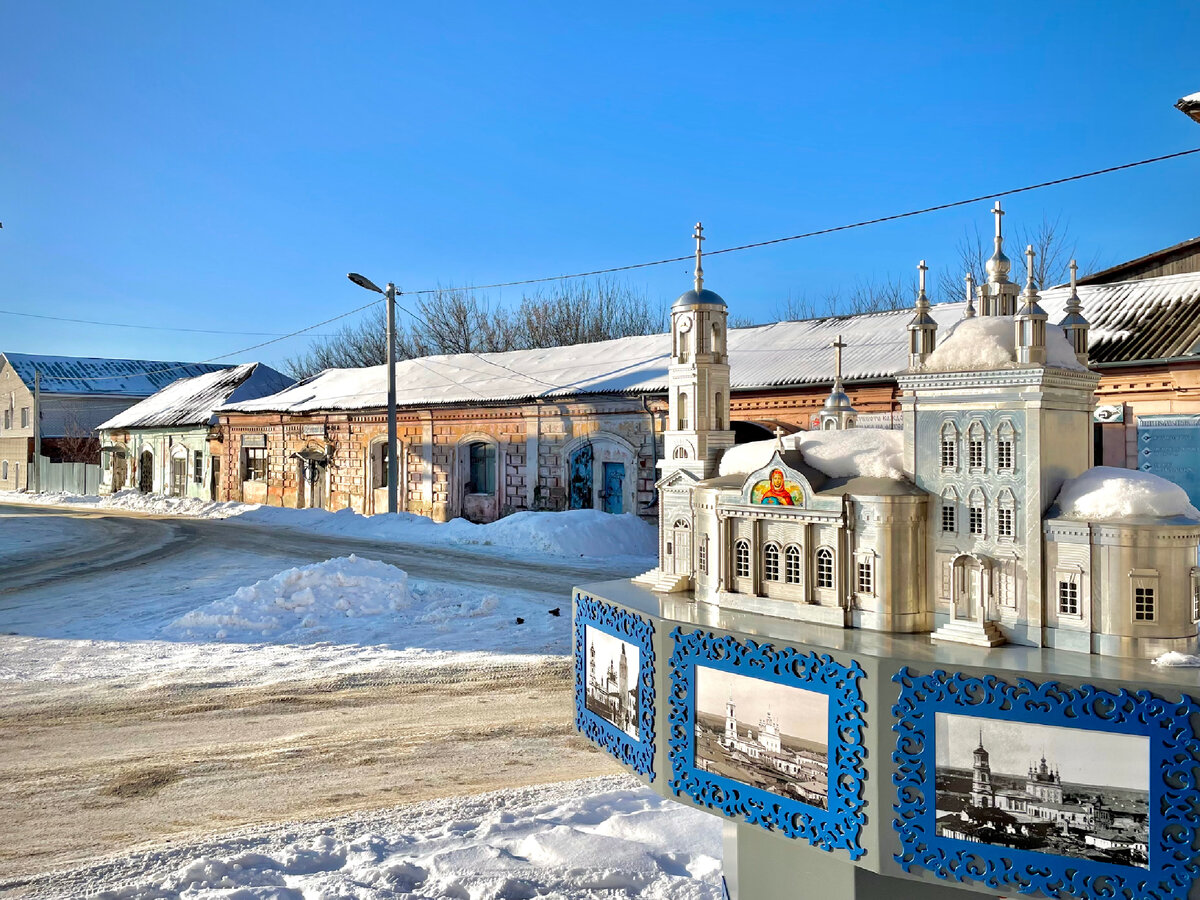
x: 68, y: 477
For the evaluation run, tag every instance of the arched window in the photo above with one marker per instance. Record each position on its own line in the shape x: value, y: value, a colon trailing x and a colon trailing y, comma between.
x: 718, y: 418
x: 680, y: 453
x: 949, y: 451
x: 1005, y: 447
x: 683, y: 523
x: 976, y: 447
x: 483, y: 467
x: 683, y: 344
x: 949, y: 511
x: 791, y: 558
x: 1006, y: 515
x: 977, y: 511
x: 683, y: 411
x: 824, y: 567
x: 741, y: 559
x: 716, y: 338
x: 771, y: 562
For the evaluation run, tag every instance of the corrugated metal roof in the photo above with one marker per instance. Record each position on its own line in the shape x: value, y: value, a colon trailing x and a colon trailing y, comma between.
x: 192, y: 401
x: 1154, y: 318
x: 81, y: 375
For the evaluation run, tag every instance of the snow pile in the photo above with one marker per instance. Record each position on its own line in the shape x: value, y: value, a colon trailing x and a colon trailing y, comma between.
x: 1175, y: 659
x: 573, y: 533
x: 990, y: 342
x: 1107, y: 493
x: 855, y: 452
x: 303, y: 599
x: 581, y: 839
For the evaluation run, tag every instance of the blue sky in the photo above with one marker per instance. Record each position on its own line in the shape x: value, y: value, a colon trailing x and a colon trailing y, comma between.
x: 222, y: 165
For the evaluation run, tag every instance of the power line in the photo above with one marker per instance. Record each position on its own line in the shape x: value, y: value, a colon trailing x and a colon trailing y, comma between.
x: 643, y: 265
x: 10, y: 312
x: 795, y: 237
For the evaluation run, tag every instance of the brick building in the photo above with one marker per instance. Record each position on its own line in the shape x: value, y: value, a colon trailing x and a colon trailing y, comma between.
x: 482, y: 435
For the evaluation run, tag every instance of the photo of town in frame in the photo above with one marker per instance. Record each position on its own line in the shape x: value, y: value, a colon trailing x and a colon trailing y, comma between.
x: 766, y: 735
x: 1044, y: 788
x: 613, y: 667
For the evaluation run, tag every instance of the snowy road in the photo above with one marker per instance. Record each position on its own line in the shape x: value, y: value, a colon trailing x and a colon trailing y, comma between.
x: 116, y: 733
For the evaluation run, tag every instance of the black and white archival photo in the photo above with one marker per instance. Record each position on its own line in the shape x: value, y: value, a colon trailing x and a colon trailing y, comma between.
x: 763, y: 734
x: 612, y: 679
x: 1058, y: 790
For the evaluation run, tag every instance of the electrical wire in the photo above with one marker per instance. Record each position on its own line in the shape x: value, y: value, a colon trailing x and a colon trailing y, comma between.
x: 736, y: 249
x: 10, y: 312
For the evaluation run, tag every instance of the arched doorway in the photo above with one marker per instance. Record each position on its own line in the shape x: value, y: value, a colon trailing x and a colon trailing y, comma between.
x: 146, y: 472
x: 968, y: 585
x: 679, y: 548
x: 312, y: 471
x: 601, y: 473
x: 579, y: 495
x: 120, y: 470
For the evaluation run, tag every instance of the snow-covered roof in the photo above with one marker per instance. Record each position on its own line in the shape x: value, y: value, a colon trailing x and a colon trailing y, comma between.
x: 193, y: 401
x: 853, y: 453
x: 82, y: 375
x: 990, y: 342
x: 1110, y: 494
x: 1153, y: 318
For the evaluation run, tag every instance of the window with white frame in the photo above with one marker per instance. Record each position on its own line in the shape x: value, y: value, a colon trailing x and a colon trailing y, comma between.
x: 1068, y: 595
x: 741, y: 558
x: 771, y: 562
x: 824, y: 567
x: 791, y: 557
x: 1006, y: 515
x: 197, y: 466
x: 1005, y: 439
x: 683, y: 411
x: 24, y: 416
x: 976, y: 444
x: 977, y: 513
x: 949, y: 451
x: 4, y: 469
x: 865, y: 572
x: 1195, y: 594
x: 703, y: 556
x: 254, y: 463
x: 7, y: 419
x: 1144, y: 587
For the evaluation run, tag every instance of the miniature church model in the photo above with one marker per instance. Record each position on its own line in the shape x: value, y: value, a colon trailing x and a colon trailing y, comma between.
x: 965, y: 538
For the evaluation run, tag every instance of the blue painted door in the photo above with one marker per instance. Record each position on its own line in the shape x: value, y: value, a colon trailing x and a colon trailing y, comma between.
x: 614, y: 488
x: 580, y: 496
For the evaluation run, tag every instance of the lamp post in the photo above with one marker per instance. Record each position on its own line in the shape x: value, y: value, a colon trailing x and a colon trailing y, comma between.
x: 393, y: 467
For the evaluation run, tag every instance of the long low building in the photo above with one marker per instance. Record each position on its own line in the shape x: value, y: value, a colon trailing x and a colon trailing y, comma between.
x: 482, y: 435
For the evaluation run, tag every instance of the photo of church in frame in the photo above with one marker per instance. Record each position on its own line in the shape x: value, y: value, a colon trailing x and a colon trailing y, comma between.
x: 994, y: 788
x: 612, y: 679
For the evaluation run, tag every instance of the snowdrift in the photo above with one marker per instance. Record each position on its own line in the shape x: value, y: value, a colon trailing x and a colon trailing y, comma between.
x: 1107, y: 493
x: 855, y: 452
x: 990, y: 342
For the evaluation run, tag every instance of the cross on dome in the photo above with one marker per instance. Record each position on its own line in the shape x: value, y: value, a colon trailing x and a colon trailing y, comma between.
x: 837, y: 357
x: 698, y: 234
x: 998, y: 212
x: 1030, y: 253
x: 922, y: 269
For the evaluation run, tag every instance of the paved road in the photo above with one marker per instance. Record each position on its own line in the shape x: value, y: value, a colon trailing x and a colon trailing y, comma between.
x: 122, y: 540
x: 92, y: 766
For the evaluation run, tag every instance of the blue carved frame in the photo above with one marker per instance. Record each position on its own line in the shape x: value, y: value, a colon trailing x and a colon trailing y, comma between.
x: 633, y: 629
x: 1174, y: 777
x: 839, y: 826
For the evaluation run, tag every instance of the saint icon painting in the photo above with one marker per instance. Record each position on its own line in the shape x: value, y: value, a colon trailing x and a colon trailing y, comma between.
x: 612, y: 679
x: 777, y: 491
x: 766, y: 735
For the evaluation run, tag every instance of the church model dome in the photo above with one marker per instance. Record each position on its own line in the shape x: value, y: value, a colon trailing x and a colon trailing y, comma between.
x: 691, y: 298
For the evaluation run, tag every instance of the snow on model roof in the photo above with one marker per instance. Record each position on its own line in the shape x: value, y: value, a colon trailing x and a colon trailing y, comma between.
x: 853, y: 453
x: 989, y: 342
x: 1154, y: 318
x: 92, y: 375
x: 1110, y: 494
x: 193, y: 401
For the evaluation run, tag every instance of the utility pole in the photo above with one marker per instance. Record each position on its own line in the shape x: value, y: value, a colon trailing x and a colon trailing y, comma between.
x: 37, y: 431
x: 393, y: 464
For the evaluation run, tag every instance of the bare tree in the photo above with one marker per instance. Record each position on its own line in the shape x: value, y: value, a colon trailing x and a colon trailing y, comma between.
x: 454, y: 320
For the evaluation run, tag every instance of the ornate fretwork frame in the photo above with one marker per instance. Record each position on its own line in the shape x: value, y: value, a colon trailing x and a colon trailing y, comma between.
x: 837, y: 827
x: 1174, y: 776
x: 633, y: 629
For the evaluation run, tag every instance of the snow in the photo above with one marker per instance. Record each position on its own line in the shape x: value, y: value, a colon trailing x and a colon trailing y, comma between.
x: 1107, y: 493
x: 869, y: 452
x: 1173, y: 658
x: 94, y: 375
x: 192, y: 401
x: 989, y: 342
x: 605, y: 836
x: 575, y: 533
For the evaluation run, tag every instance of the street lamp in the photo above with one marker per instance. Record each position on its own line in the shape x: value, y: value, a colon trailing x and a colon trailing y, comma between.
x: 393, y: 467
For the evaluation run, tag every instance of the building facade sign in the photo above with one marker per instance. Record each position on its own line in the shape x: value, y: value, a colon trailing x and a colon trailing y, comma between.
x: 1169, y: 446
